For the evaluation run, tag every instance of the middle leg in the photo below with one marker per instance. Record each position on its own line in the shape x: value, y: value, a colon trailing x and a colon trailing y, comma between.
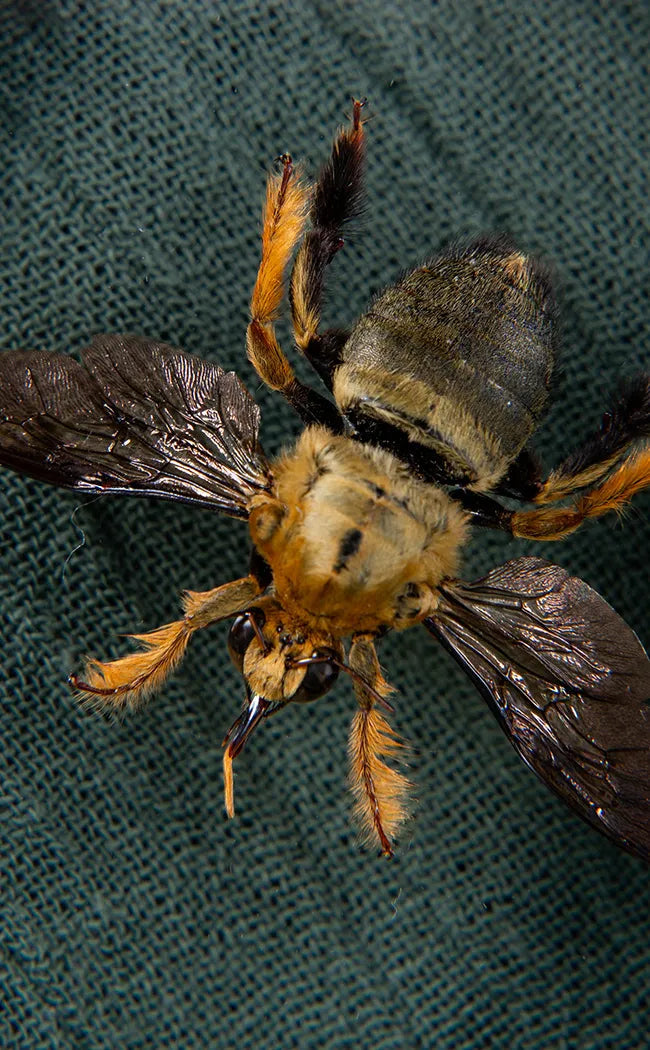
x: 381, y: 792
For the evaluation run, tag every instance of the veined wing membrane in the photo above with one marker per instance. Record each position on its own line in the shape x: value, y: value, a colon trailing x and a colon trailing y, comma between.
x: 568, y: 681
x: 137, y: 417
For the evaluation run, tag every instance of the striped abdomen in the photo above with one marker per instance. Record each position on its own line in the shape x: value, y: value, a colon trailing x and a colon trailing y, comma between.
x: 456, y: 357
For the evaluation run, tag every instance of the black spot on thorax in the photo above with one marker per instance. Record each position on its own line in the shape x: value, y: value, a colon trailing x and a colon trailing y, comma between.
x: 348, y: 547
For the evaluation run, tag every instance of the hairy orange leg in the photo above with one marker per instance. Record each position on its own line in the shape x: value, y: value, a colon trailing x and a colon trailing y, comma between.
x: 285, y: 211
x: 381, y: 793
x: 553, y: 523
x: 121, y: 684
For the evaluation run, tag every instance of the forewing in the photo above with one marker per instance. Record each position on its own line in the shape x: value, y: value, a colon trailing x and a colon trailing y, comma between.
x: 569, y: 682
x: 137, y: 417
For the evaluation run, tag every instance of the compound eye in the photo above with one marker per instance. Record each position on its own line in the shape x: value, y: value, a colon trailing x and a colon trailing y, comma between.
x: 241, y: 635
x: 320, y: 676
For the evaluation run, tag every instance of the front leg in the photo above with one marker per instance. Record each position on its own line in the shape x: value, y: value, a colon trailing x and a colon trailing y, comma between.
x: 381, y: 793
x: 120, y: 685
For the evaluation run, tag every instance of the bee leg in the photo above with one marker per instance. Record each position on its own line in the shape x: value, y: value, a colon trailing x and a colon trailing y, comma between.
x: 606, y: 464
x: 523, y: 480
x: 484, y: 511
x: 121, y: 684
x: 284, y: 217
x: 626, y: 422
x: 336, y: 199
x: 381, y: 793
x: 553, y: 523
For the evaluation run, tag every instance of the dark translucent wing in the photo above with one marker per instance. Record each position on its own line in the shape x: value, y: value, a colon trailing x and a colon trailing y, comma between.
x: 569, y: 682
x: 136, y: 417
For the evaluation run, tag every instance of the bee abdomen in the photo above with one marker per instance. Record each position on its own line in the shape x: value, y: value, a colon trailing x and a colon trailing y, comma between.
x: 458, y: 357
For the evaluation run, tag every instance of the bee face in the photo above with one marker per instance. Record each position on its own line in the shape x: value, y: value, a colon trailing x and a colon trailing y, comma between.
x: 281, y: 662
x: 279, y: 658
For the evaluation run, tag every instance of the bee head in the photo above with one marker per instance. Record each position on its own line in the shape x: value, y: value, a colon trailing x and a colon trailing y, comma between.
x: 281, y: 660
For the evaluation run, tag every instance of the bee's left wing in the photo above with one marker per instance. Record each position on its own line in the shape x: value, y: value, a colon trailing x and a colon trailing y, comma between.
x: 137, y: 417
x: 568, y: 681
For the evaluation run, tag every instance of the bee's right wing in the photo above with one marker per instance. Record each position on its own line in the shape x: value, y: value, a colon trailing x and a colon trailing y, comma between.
x: 569, y: 683
x: 138, y: 417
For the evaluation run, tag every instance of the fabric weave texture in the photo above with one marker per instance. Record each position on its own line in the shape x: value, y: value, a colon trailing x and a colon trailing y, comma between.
x: 134, y: 142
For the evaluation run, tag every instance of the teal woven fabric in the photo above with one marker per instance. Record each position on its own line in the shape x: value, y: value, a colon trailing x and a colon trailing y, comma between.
x: 134, y: 141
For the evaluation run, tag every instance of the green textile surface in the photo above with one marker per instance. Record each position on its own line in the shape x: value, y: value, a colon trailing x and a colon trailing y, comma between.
x: 134, y: 140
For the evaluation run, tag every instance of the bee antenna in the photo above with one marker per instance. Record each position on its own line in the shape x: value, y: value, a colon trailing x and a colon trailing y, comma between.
x: 356, y: 677
x: 266, y: 648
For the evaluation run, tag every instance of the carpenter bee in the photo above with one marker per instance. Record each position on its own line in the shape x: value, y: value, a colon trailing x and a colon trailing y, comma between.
x: 357, y: 529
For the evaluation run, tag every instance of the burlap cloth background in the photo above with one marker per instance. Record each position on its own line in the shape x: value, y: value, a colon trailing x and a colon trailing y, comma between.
x: 134, y: 139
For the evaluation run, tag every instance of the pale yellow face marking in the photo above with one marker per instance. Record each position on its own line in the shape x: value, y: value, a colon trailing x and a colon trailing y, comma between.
x: 268, y: 670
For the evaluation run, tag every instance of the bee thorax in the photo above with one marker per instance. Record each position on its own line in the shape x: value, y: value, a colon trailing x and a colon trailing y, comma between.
x: 359, y: 544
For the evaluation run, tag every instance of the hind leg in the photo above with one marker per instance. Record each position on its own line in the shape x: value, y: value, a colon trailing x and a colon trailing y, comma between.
x: 336, y: 199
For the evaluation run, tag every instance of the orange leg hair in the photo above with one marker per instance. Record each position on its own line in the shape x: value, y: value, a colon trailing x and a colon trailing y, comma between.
x: 623, y: 427
x: 332, y: 202
x: 552, y: 523
x: 559, y: 486
x: 285, y: 212
x: 381, y: 793
x: 121, y: 684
